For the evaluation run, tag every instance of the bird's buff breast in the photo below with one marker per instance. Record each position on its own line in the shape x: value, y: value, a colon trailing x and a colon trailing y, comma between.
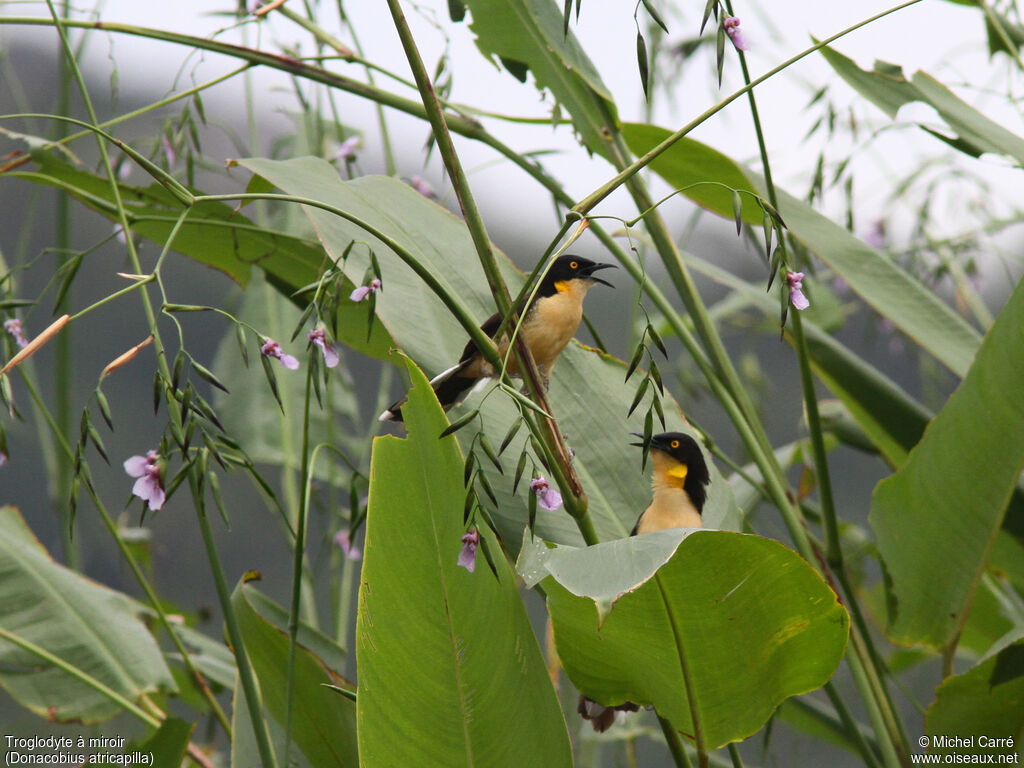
x: 549, y: 327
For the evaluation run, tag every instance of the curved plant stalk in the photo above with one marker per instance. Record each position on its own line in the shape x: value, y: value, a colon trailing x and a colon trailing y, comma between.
x: 151, y: 595
x: 63, y: 366
x: 152, y: 720
x: 297, y: 565
x: 860, y: 635
x: 245, y: 670
x: 575, y: 498
x: 587, y: 204
x: 691, y: 693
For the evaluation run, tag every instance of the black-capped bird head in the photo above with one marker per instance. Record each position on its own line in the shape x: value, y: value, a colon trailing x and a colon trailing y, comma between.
x: 567, y: 269
x: 679, y: 462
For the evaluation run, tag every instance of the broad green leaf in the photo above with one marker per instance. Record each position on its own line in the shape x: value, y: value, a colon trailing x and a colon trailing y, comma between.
x: 323, y: 722
x: 888, y: 88
x: 248, y: 410
x: 211, y: 657
x: 892, y: 291
x: 167, y: 745
x: 982, y: 703
x: 586, y: 387
x: 87, y: 625
x: 884, y: 86
x: 935, y: 519
x: 700, y: 172
x: 434, y: 236
x: 472, y: 688
x: 891, y: 418
x: 753, y: 623
x: 530, y: 34
x: 213, y: 233
x: 971, y: 125
x: 591, y: 402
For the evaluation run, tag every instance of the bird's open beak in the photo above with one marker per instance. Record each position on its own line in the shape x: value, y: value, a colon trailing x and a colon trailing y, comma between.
x: 655, y: 443
x: 592, y: 269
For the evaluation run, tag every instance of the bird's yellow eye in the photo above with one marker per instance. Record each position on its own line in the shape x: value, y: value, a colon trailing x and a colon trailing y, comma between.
x: 674, y: 443
x: 573, y: 265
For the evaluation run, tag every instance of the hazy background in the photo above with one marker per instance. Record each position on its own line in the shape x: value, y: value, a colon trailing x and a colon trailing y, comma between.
x: 943, y: 38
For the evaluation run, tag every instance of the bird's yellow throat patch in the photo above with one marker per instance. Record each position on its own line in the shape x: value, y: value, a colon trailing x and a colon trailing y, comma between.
x: 562, y: 286
x: 679, y: 473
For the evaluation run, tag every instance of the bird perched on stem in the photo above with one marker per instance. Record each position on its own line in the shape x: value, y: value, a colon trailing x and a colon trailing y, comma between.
x: 548, y: 324
x: 679, y: 483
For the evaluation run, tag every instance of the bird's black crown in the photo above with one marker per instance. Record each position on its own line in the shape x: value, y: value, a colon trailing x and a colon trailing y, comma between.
x: 569, y: 267
x: 685, y: 450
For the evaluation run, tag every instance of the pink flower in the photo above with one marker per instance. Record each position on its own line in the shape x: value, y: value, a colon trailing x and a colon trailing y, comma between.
x: 14, y: 328
x: 363, y: 291
x: 347, y: 148
x: 319, y: 337
x: 467, y: 556
x: 3, y: 458
x: 149, y: 487
x: 732, y: 29
x: 420, y: 185
x: 796, y: 293
x: 343, y: 540
x: 168, y: 151
x: 271, y: 348
x: 119, y: 234
x: 547, y: 497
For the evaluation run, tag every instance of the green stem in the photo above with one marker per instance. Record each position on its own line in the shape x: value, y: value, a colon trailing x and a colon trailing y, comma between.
x: 874, y: 672
x: 81, y: 676
x: 390, y: 165
x: 154, y: 600
x: 111, y: 297
x: 587, y: 204
x: 575, y: 499
x: 244, y: 668
x: 851, y: 726
x: 63, y: 378
x: 297, y: 564
x: 691, y: 691
x: 675, y: 744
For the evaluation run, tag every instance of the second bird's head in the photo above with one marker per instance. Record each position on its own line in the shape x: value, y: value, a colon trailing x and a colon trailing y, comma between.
x: 682, y: 461
x: 568, y: 269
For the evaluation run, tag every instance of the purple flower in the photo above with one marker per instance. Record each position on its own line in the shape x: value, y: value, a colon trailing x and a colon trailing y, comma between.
x: 875, y: 237
x: 796, y: 293
x: 363, y: 291
x: 149, y: 487
x: 343, y: 540
x: 732, y: 29
x: 420, y: 185
x: 467, y: 556
x: 3, y: 458
x: 271, y: 348
x: 347, y: 148
x: 14, y: 328
x: 547, y: 497
x: 319, y: 337
x: 119, y: 234
x: 168, y: 151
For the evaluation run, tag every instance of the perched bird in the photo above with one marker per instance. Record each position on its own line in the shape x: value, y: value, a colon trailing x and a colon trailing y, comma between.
x: 679, y: 482
x: 550, y: 321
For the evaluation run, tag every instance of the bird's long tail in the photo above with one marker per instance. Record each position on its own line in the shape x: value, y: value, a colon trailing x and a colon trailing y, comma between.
x: 451, y: 388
